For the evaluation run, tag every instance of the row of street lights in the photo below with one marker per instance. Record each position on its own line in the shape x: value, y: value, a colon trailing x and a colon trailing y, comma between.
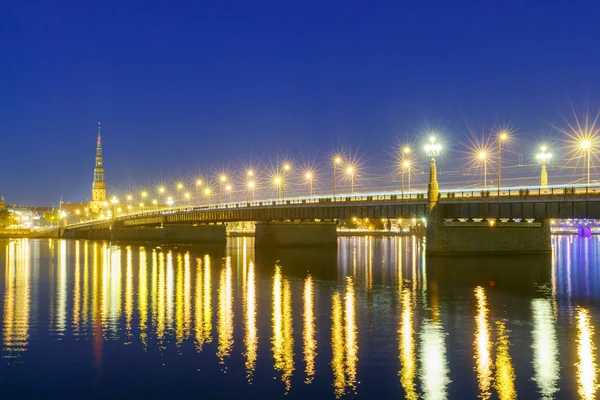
x: 432, y: 149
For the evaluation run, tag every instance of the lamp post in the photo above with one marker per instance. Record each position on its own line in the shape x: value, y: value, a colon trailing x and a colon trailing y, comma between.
x: 405, y: 170
x: 277, y: 182
x: 586, y: 145
x: 483, y: 157
x: 309, y: 179
x: 207, y: 194
x: 114, y: 201
x: 198, y: 185
x: 155, y: 202
x: 187, y: 197
x: 170, y: 201
x: 433, y: 150
x: 250, y: 188
x: 179, y: 187
x: 337, y: 160
x: 228, y: 189
x: 350, y: 173
x: 286, y: 167
x: 502, y: 137
x: 543, y: 159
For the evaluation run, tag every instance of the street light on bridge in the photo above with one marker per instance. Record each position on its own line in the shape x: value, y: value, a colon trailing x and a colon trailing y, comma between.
x: 350, y: 171
x: 286, y: 167
x: 543, y: 158
x: 250, y: 188
x: 483, y: 158
x: 309, y: 179
x: 586, y: 146
x: 222, y: 180
x: 277, y: 183
x: 187, y: 197
x: 503, y: 136
x: 405, y: 170
x: 432, y: 149
x: 207, y: 192
x: 337, y: 160
x: 228, y: 188
x: 155, y: 202
x: 170, y: 201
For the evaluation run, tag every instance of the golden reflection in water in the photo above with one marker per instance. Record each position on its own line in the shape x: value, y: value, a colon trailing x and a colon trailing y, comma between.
x: 128, y: 292
x: 337, y: 346
x: 179, y: 302
x: 225, y: 316
x: 310, y: 343
x: 86, y: 283
x: 207, y: 300
x: 351, y: 336
x: 344, y: 341
x: 170, y: 290
x: 251, y: 337
x: 587, y: 369
x: 143, y: 297
x: 545, y: 348
x: 482, y: 344
x: 187, y: 296
x: 407, y: 347
x: 434, y: 366
x: 61, y: 290
x: 159, y: 300
x: 282, y: 341
x: 15, y: 332
x: 115, y: 290
x: 77, y: 290
x: 505, y: 372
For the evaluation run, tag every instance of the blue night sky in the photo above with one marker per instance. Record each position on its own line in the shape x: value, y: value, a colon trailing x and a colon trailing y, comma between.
x: 182, y: 87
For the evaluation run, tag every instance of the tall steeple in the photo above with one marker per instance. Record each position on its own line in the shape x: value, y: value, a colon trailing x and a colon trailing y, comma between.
x: 99, y: 185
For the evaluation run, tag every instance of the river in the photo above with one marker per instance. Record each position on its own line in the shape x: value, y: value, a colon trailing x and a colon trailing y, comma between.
x: 373, y: 318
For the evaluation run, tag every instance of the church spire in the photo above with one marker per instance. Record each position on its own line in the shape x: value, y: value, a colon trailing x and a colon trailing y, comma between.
x: 98, y: 185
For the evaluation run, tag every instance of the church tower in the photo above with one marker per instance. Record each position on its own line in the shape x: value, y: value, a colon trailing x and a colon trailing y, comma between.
x: 99, y: 185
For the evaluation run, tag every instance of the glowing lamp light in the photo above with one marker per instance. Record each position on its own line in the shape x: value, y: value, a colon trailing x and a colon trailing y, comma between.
x: 114, y: 200
x: 250, y: 184
x: 337, y: 160
x: 433, y: 148
x: 207, y: 191
x: 249, y: 173
x: 223, y: 178
x: 228, y: 188
x: 144, y: 194
x: 286, y: 167
x: 308, y: 176
x: 585, y: 144
x: 170, y: 201
x: 277, y: 180
x: 161, y: 190
x: 180, y: 186
x: 199, y: 182
x: 482, y: 155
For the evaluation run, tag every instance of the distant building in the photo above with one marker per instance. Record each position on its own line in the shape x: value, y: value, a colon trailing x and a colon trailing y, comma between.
x: 99, y: 185
x: 1, y: 203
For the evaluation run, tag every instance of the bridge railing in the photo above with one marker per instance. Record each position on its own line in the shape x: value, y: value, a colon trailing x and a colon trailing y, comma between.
x: 506, y: 193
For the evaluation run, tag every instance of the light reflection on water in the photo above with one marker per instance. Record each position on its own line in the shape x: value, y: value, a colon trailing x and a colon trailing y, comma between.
x: 373, y: 318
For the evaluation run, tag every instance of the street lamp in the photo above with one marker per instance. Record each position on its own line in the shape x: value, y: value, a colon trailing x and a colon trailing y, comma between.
x: 405, y: 170
x: 207, y: 194
x: 187, y: 197
x: 228, y: 189
x: 114, y: 201
x: 198, y: 184
x: 433, y: 150
x: 286, y: 167
x: 155, y: 202
x: 502, y: 137
x: 277, y: 182
x: 170, y: 201
x: 543, y: 159
x: 309, y: 179
x: 483, y: 157
x: 337, y: 160
x: 586, y: 145
x: 222, y: 180
x: 350, y: 173
x: 144, y: 194
x: 179, y: 187
x: 250, y: 188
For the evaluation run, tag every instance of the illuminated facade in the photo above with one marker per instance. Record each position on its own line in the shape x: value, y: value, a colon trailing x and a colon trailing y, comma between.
x: 99, y: 185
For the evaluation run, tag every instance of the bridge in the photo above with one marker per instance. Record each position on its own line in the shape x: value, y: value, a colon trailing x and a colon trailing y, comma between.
x: 514, y: 219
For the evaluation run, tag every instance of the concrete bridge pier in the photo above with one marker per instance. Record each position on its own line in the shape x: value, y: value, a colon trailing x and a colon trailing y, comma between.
x: 172, y: 234
x: 301, y: 233
x: 450, y: 237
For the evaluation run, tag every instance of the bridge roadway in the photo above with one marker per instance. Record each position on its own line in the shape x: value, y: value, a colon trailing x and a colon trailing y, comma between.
x: 513, y: 204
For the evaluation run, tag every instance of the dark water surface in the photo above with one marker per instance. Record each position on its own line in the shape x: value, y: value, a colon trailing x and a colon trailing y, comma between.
x: 371, y: 319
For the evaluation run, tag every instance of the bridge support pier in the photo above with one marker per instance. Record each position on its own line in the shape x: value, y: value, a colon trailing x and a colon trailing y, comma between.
x: 295, y: 234
x: 172, y: 234
x: 448, y: 238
